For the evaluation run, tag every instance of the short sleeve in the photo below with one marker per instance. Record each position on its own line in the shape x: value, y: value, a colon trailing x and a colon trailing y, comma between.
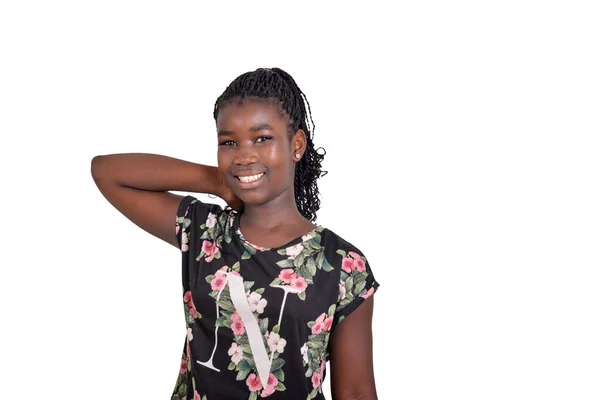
x: 192, y: 217
x: 357, y: 283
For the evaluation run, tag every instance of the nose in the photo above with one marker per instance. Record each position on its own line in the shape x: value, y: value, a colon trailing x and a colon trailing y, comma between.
x: 246, y: 155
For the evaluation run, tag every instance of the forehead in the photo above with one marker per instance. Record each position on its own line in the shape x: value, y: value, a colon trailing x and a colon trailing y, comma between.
x: 250, y: 113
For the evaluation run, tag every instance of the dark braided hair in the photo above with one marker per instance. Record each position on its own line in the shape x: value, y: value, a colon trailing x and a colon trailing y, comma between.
x: 277, y: 87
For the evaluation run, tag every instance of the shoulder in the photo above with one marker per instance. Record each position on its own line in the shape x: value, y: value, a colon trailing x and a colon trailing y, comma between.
x: 193, y: 208
x: 338, y: 245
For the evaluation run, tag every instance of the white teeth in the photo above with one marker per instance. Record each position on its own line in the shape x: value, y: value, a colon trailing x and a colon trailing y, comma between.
x: 247, y: 179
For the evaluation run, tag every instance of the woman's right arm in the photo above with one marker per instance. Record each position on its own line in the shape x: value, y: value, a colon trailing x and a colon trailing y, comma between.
x: 138, y: 184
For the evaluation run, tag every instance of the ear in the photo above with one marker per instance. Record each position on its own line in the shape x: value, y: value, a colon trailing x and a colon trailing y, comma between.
x: 298, y: 144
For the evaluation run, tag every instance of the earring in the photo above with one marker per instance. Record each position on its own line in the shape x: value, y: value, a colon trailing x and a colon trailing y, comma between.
x: 297, y: 155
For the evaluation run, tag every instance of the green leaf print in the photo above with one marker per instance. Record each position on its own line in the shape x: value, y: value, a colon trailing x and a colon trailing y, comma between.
x: 248, y: 285
x: 280, y: 387
x: 341, y: 253
x: 236, y: 267
x: 287, y: 263
x: 226, y: 305
x: 246, y: 255
x: 246, y: 349
x: 263, y: 324
x: 316, y: 344
x: 349, y: 284
x: 276, y: 281
x: 209, y: 278
x: 325, y: 265
x: 244, y: 370
x: 253, y: 396
x: 276, y: 329
x: 251, y: 363
x: 231, y: 366
x: 299, y: 259
x: 221, y: 321
x: 312, y: 394
x: 311, y: 266
x: 260, y: 290
x: 302, y: 296
x: 279, y: 374
x: 277, y: 364
x: 331, y: 310
x: 359, y: 287
x: 182, y: 389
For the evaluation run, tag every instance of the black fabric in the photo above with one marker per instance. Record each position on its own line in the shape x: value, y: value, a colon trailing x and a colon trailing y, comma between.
x: 322, y: 277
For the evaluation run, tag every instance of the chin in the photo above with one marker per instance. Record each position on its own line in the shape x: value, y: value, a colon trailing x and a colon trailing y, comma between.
x: 253, y: 199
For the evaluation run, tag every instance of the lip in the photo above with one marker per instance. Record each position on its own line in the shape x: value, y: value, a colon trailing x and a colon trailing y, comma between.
x: 249, y: 185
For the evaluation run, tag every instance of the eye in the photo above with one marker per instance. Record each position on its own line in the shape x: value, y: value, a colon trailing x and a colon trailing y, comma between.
x: 226, y: 143
x: 264, y: 138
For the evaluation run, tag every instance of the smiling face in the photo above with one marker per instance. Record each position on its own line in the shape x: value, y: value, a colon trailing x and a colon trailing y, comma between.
x: 256, y: 154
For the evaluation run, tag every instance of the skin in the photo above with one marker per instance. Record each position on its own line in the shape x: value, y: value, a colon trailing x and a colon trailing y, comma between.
x: 253, y: 138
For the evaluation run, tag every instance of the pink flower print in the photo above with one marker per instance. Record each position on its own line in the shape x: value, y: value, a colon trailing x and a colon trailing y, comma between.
x: 189, y: 334
x: 354, y: 255
x: 210, y: 249
x: 276, y: 342
x: 360, y: 265
x: 183, y: 367
x: 218, y: 282
x: 323, y: 363
x: 196, y: 396
x: 211, y: 220
x: 319, y: 325
x: 268, y: 391
x: 304, y: 352
x: 238, y: 327
x: 294, y: 250
x: 272, y: 382
x: 176, y: 227
x: 253, y: 383
x: 254, y: 246
x: 187, y: 297
x: 187, y: 347
x: 257, y: 303
x: 368, y: 293
x: 193, y: 311
x: 299, y: 283
x: 235, y: 317
x: 184, y: 241
x: 308, y: 236
x: 348, y: 264
x: 236, y: 353
x: 316, y: 380
x: 342, y: 293
x: 287, y: 275
x: 327, y: 323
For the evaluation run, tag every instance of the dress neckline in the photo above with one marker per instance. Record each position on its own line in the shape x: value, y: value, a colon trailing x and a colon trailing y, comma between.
x: 300, y: 239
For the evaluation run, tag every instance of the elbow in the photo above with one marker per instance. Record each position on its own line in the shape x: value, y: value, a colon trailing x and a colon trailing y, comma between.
x: 95, y: 166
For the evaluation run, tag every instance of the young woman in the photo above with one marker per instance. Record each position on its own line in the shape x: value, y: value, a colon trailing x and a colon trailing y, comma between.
x: 269, y: 297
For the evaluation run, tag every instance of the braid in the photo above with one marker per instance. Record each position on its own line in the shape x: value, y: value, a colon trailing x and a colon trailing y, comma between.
x: 275, y: 86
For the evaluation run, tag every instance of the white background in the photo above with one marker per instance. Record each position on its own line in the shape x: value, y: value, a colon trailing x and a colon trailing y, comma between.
x: 463, y: 158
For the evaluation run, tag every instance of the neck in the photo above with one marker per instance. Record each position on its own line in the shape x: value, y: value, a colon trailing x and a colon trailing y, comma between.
x: 278, y: 212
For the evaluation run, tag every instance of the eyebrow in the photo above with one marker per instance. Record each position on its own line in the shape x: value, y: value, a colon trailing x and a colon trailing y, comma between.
x: 257, y: 128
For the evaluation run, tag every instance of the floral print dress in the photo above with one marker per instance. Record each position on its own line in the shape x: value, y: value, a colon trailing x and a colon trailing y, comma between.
x: 259, y: 319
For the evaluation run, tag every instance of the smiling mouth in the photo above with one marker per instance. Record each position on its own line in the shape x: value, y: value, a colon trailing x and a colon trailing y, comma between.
x: 251, y: 178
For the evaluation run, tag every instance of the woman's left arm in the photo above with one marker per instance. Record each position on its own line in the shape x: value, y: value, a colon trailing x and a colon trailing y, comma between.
x: 351, y: 356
